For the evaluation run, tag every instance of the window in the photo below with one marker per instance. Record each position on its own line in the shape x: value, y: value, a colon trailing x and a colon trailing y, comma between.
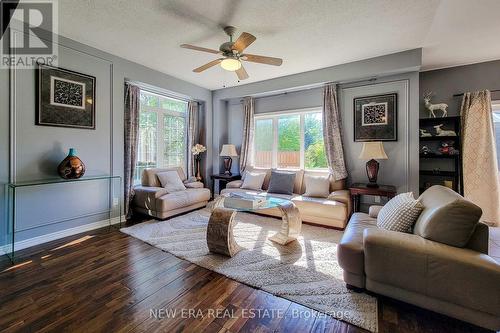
x: 162, y: 132
x: 289, y: 140
x: 496, y: 124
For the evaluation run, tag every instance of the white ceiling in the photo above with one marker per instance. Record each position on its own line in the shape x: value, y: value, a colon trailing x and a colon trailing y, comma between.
x: 307, y: 34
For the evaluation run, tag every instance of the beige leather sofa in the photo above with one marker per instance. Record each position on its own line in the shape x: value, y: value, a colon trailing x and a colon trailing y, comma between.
x: 331, y: 212
x: 152, y: 199
x: 461, y: 282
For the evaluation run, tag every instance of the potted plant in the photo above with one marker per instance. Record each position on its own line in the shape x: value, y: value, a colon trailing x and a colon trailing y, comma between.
x: 197, y: 150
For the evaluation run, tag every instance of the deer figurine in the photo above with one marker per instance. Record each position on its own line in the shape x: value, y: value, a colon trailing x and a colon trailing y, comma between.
x: 433, y: 107
x: 442, y: 132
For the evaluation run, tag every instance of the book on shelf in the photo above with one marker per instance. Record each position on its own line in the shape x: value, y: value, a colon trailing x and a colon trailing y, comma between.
x: 244, y: 201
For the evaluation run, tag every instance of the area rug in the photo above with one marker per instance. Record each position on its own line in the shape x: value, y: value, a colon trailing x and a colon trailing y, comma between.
x: 305, y: 271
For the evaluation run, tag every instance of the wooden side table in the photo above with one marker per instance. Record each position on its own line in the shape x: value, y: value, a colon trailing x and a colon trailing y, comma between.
x: 359, y: 189
x: 223, y: 180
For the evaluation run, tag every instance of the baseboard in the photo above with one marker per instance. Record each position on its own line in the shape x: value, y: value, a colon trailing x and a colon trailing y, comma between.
x: 24, y: 244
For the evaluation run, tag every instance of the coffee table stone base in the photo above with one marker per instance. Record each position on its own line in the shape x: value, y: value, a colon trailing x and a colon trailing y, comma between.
x: 220, y: 238
x: 291, y: 225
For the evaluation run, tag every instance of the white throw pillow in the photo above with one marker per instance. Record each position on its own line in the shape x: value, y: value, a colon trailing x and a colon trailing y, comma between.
x: 253, y: 181
x: 400, y: 213
x: 317, y: 186
x: 171, y: 181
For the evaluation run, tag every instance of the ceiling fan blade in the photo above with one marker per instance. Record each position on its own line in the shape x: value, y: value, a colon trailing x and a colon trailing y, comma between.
x: 242, y: 73
x: 198, y: 48
x: 243, y: 41
x: 207, y: 66
x: 262, y: 59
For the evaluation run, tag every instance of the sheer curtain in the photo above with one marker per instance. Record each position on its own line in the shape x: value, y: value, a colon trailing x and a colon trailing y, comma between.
x: 131, y: 119
x: 248, y: 132
x: 192, y: 135
x: 480, y: 166
x: 332, y: 133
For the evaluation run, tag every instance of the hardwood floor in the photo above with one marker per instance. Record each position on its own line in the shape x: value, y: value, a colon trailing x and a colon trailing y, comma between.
x: 106, y: 281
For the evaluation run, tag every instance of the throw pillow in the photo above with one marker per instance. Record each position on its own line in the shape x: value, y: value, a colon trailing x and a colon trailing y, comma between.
x: 400, y: 213
x: 317, y: 186
x: 253, y: 181
x: 171, y: 181
x: 281, y: 182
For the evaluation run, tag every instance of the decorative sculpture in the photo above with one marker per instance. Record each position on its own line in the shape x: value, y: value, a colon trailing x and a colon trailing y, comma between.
x: 424, y: 133
x: 442, y: 132
x: 433, y: 107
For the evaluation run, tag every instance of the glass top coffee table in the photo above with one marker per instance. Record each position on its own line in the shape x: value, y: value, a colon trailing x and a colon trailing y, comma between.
x: 290, y: 227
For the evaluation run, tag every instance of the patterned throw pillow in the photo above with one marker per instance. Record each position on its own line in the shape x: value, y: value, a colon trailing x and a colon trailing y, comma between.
x: 400, y: 213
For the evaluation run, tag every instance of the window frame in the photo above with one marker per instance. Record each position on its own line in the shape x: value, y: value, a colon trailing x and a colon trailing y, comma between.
x: 160, y: 114
x: 275, y: 118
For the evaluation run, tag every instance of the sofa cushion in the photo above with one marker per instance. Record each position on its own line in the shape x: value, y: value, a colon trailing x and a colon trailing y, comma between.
x: 253, y: 180
x: 182, y: 199
x: 350, y: 250
x: 320, y: 207
x: 171, y: 181
x: 447, y: 217
x: 317, y: 186
x: 265, y: 185
x: 149, y: 177
x: 400, y: 213
x: 281, y: 182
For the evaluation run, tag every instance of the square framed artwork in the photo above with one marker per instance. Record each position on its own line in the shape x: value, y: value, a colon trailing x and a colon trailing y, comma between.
x: 65, y: 98
x: 375, y: 118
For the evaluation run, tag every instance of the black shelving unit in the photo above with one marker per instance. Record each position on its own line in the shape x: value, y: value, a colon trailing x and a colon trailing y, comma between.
x: 432, y: 173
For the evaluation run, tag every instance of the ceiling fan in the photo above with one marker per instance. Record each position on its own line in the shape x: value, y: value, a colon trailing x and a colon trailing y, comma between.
x: 233, y: 55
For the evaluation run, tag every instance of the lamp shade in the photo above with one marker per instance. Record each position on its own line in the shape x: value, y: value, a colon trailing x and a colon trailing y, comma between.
x: 373, y: 150
x: 228, y: 150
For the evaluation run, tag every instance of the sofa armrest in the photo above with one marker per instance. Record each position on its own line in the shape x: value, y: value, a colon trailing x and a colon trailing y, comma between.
x: 145, y: 196
x: 234, y: 184
x: 374, y: 210
x: 194, y: 185
x: 455, y: 275
x: 343, y: 196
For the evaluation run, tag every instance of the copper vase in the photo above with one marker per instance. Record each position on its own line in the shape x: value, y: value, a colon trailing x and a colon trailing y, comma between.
x: 71, y: 167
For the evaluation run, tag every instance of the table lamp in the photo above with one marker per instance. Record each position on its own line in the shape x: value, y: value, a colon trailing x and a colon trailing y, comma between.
x: 228, y: 151
x: 372, y: 151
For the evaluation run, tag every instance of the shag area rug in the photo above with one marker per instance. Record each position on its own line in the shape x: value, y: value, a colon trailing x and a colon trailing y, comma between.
x: 305, y: 271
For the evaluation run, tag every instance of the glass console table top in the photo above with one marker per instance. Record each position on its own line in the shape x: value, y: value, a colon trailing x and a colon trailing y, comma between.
x: 58, y: 181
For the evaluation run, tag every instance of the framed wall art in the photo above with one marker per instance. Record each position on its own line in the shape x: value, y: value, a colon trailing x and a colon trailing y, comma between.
x: 375, y: 118
x: 65, y: 98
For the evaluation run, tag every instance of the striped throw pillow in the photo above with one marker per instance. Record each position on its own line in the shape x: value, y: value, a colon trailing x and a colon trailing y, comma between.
x: 400, y: 213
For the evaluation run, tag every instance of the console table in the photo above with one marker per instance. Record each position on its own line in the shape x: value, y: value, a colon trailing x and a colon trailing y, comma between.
x: 11, y: 190
x: 359, y: 189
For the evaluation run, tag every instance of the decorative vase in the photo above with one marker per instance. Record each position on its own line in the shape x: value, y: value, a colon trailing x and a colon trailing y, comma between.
x: 71, y: 167
x: 198, y: 173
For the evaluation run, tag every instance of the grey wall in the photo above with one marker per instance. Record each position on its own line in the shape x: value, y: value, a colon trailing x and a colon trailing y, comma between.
x: 455, y: 80
x: 402, y: 168
x: 37, y: 150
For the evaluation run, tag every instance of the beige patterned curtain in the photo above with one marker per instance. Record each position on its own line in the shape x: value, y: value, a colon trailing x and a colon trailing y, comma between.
x: 332, y: 133
x: 480, y: 169
x: 248, y: 131
x: 131, y: 119
x: 192, y: 135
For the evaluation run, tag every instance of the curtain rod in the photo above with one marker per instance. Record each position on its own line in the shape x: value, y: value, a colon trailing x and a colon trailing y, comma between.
x: 461, y: 94
x: 314, y: 87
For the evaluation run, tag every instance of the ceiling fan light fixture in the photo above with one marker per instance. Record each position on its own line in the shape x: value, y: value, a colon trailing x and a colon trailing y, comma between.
x: 230, y: 64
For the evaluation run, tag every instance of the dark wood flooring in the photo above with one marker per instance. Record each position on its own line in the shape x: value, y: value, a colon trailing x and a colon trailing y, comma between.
x: 106, y: 281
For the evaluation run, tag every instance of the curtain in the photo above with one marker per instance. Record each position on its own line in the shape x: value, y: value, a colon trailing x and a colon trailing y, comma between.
x: 332, y: 133
x: 248, y: 131
x: 192, y: 135
x: 480, y: 166
x: 132, y: 96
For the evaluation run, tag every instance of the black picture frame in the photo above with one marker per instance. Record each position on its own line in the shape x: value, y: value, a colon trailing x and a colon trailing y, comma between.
x: 375, y: 118
x: 65, y: 98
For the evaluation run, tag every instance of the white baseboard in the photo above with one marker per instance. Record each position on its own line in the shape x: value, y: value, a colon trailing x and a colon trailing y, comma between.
x: 24, y: 244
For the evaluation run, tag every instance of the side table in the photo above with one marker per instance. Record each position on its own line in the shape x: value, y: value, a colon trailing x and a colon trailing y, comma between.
x: 223, y: 180
x: 359, y: 189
